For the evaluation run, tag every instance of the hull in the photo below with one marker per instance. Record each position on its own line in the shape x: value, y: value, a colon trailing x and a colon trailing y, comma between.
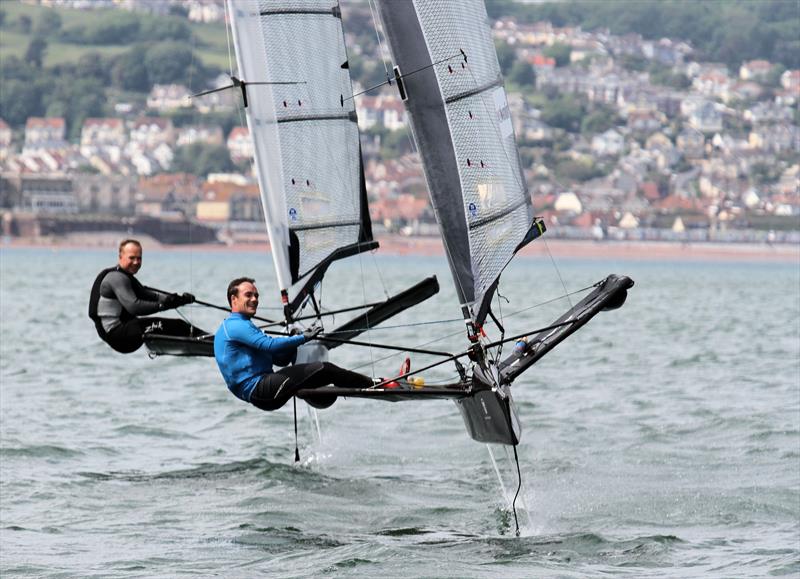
x: 491, y: 416
x: 161, y: 345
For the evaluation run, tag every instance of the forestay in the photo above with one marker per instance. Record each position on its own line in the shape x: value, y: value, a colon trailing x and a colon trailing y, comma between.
x: 305, y: 135
x: 449, y: 75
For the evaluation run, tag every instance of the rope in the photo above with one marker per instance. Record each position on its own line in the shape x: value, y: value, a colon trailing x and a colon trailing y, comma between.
x: 519, y: 487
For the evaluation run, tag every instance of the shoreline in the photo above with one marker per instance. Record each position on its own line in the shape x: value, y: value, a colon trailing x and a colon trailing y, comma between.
x: 397, y: 245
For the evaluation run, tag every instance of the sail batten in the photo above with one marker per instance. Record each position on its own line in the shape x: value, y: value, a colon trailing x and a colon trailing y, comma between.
x: 305, y: 136
x: 462, y: 126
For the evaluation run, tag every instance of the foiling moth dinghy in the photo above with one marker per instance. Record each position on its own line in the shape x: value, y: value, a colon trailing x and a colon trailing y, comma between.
x: 308, y: 164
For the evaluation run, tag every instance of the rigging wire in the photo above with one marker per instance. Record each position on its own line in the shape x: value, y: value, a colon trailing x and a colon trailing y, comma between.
x: 378, y: 36
x: 228, y: 36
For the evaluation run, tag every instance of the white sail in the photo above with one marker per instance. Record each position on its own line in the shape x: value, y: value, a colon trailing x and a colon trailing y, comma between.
x: 457, y: 104
x: 305, y: 134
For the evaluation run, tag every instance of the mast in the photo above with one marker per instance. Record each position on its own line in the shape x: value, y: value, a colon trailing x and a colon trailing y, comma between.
x: 447, y: 68
x: 305, y: 134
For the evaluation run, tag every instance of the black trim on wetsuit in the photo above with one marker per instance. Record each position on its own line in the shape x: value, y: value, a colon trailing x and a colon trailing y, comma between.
x: 276, y: 389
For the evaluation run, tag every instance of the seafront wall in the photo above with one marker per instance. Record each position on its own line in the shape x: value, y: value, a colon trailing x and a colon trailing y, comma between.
x: 432, y: 246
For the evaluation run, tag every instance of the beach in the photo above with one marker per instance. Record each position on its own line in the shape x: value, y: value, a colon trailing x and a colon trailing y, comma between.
x: 432, y: 246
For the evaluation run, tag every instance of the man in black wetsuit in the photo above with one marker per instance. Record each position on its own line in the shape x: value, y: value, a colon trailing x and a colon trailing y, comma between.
x: 117, y: 299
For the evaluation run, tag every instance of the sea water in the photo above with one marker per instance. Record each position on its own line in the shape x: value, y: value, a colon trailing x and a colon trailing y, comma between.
x: 661, y: 440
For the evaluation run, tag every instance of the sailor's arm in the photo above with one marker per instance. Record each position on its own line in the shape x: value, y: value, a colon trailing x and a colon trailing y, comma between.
x: 247, y: 333
x: 123, y: 290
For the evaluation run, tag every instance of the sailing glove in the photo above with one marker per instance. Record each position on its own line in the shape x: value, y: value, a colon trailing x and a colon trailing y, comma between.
x: 312, y: 333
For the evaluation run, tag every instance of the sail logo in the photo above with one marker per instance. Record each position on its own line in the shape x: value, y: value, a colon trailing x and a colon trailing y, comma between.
x: 473, y: 210
x: 503, y: 112
x: 293, y: 214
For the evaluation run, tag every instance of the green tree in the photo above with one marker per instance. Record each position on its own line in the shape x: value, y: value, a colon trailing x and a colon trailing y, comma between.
x: 564, y: 113
x: 36, y: 50
x: 76, y: 99
x: 49, y: 23
x: 573, y: 170
x: 202, y: 159
x: 92, y: 65
x: 19, y: 100
x: 169, y: 62
x: 129, y: 71
x: 560, y: 52
x: 2, y: 18
x: 598, y: 121
x: 522, y: 74
x: 25, y: 23
x: 506, y: 56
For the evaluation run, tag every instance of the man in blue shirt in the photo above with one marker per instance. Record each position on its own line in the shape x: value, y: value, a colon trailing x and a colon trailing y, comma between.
x: 245, y: 356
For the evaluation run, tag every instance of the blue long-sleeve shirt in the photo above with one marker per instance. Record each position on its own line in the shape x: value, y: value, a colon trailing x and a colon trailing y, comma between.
x: 244, y: 353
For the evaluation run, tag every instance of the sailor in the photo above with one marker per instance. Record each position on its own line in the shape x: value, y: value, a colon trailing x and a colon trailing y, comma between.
x: 245, y: 356
x: 117, y: 299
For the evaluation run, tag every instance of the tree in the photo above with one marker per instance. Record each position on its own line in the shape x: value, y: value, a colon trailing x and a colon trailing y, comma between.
x: 35, y: 51
x: 49, y: 23
x: 522, y: 74
x: 129, y: 71
x: 2, y: 17
x: 564, y: 113
x: 25, y: 24
x: 19, y: 100
x: 170, y: 62
x: 598, y: 121
x: 201, y: 159
x: 560, y: 52
x: 506, y: 56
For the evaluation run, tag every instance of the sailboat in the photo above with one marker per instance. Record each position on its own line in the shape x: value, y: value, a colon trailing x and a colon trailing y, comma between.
x: 308, y: 164
x: 298, y: 96
x: 447, y: 73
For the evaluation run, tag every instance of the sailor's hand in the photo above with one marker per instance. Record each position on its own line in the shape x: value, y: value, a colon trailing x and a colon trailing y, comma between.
x: 172, y: 301
x: 312, y: 333
x: 186, y: 298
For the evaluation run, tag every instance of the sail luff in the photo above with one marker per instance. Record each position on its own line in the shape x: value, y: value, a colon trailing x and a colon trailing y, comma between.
x: 305, y: 133
x: 461, y: 123
x: 261, y: 121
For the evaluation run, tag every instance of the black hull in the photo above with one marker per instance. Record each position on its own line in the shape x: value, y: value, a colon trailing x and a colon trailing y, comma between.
x: 161, y: 345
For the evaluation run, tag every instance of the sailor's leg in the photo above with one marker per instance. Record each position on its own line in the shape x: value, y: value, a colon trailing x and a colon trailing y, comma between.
x: 125, y: 338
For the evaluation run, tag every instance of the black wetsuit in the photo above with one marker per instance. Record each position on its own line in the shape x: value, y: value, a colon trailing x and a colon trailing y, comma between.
x: 117, y: 299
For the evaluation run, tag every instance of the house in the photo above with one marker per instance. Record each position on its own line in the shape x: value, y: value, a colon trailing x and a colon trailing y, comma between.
x: 47, y: 132
x: 199, y: 134
x: 645, y: 121
x: 568, y: 202
x: 167, y: 193
x: 755, y: 70
x: 706, y: 118
x: 712, y: 84
x: 240, y: 145
x: 691, y: 143
x: 102, y: 132
x: 149, y: 132
x: 6, y: 136
x: 48, y: 194
x: 790, y: 80
x: 167, y: 97
x: 105, y: 193
x: 765, y: 112
x: 775, y: 138
x: 610, y: 143
x: 223, y: 201
x: 541, y: 62
x: 385, y: 110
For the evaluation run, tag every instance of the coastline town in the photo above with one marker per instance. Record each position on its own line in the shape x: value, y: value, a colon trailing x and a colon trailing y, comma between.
x: 621, y: 138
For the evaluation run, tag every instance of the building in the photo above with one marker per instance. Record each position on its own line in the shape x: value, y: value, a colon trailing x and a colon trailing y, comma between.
x: 240, y: 145
x: 49, y: 133
x: 103, y: 132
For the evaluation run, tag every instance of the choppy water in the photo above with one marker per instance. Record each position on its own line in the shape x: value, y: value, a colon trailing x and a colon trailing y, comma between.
x: 662, y: 439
